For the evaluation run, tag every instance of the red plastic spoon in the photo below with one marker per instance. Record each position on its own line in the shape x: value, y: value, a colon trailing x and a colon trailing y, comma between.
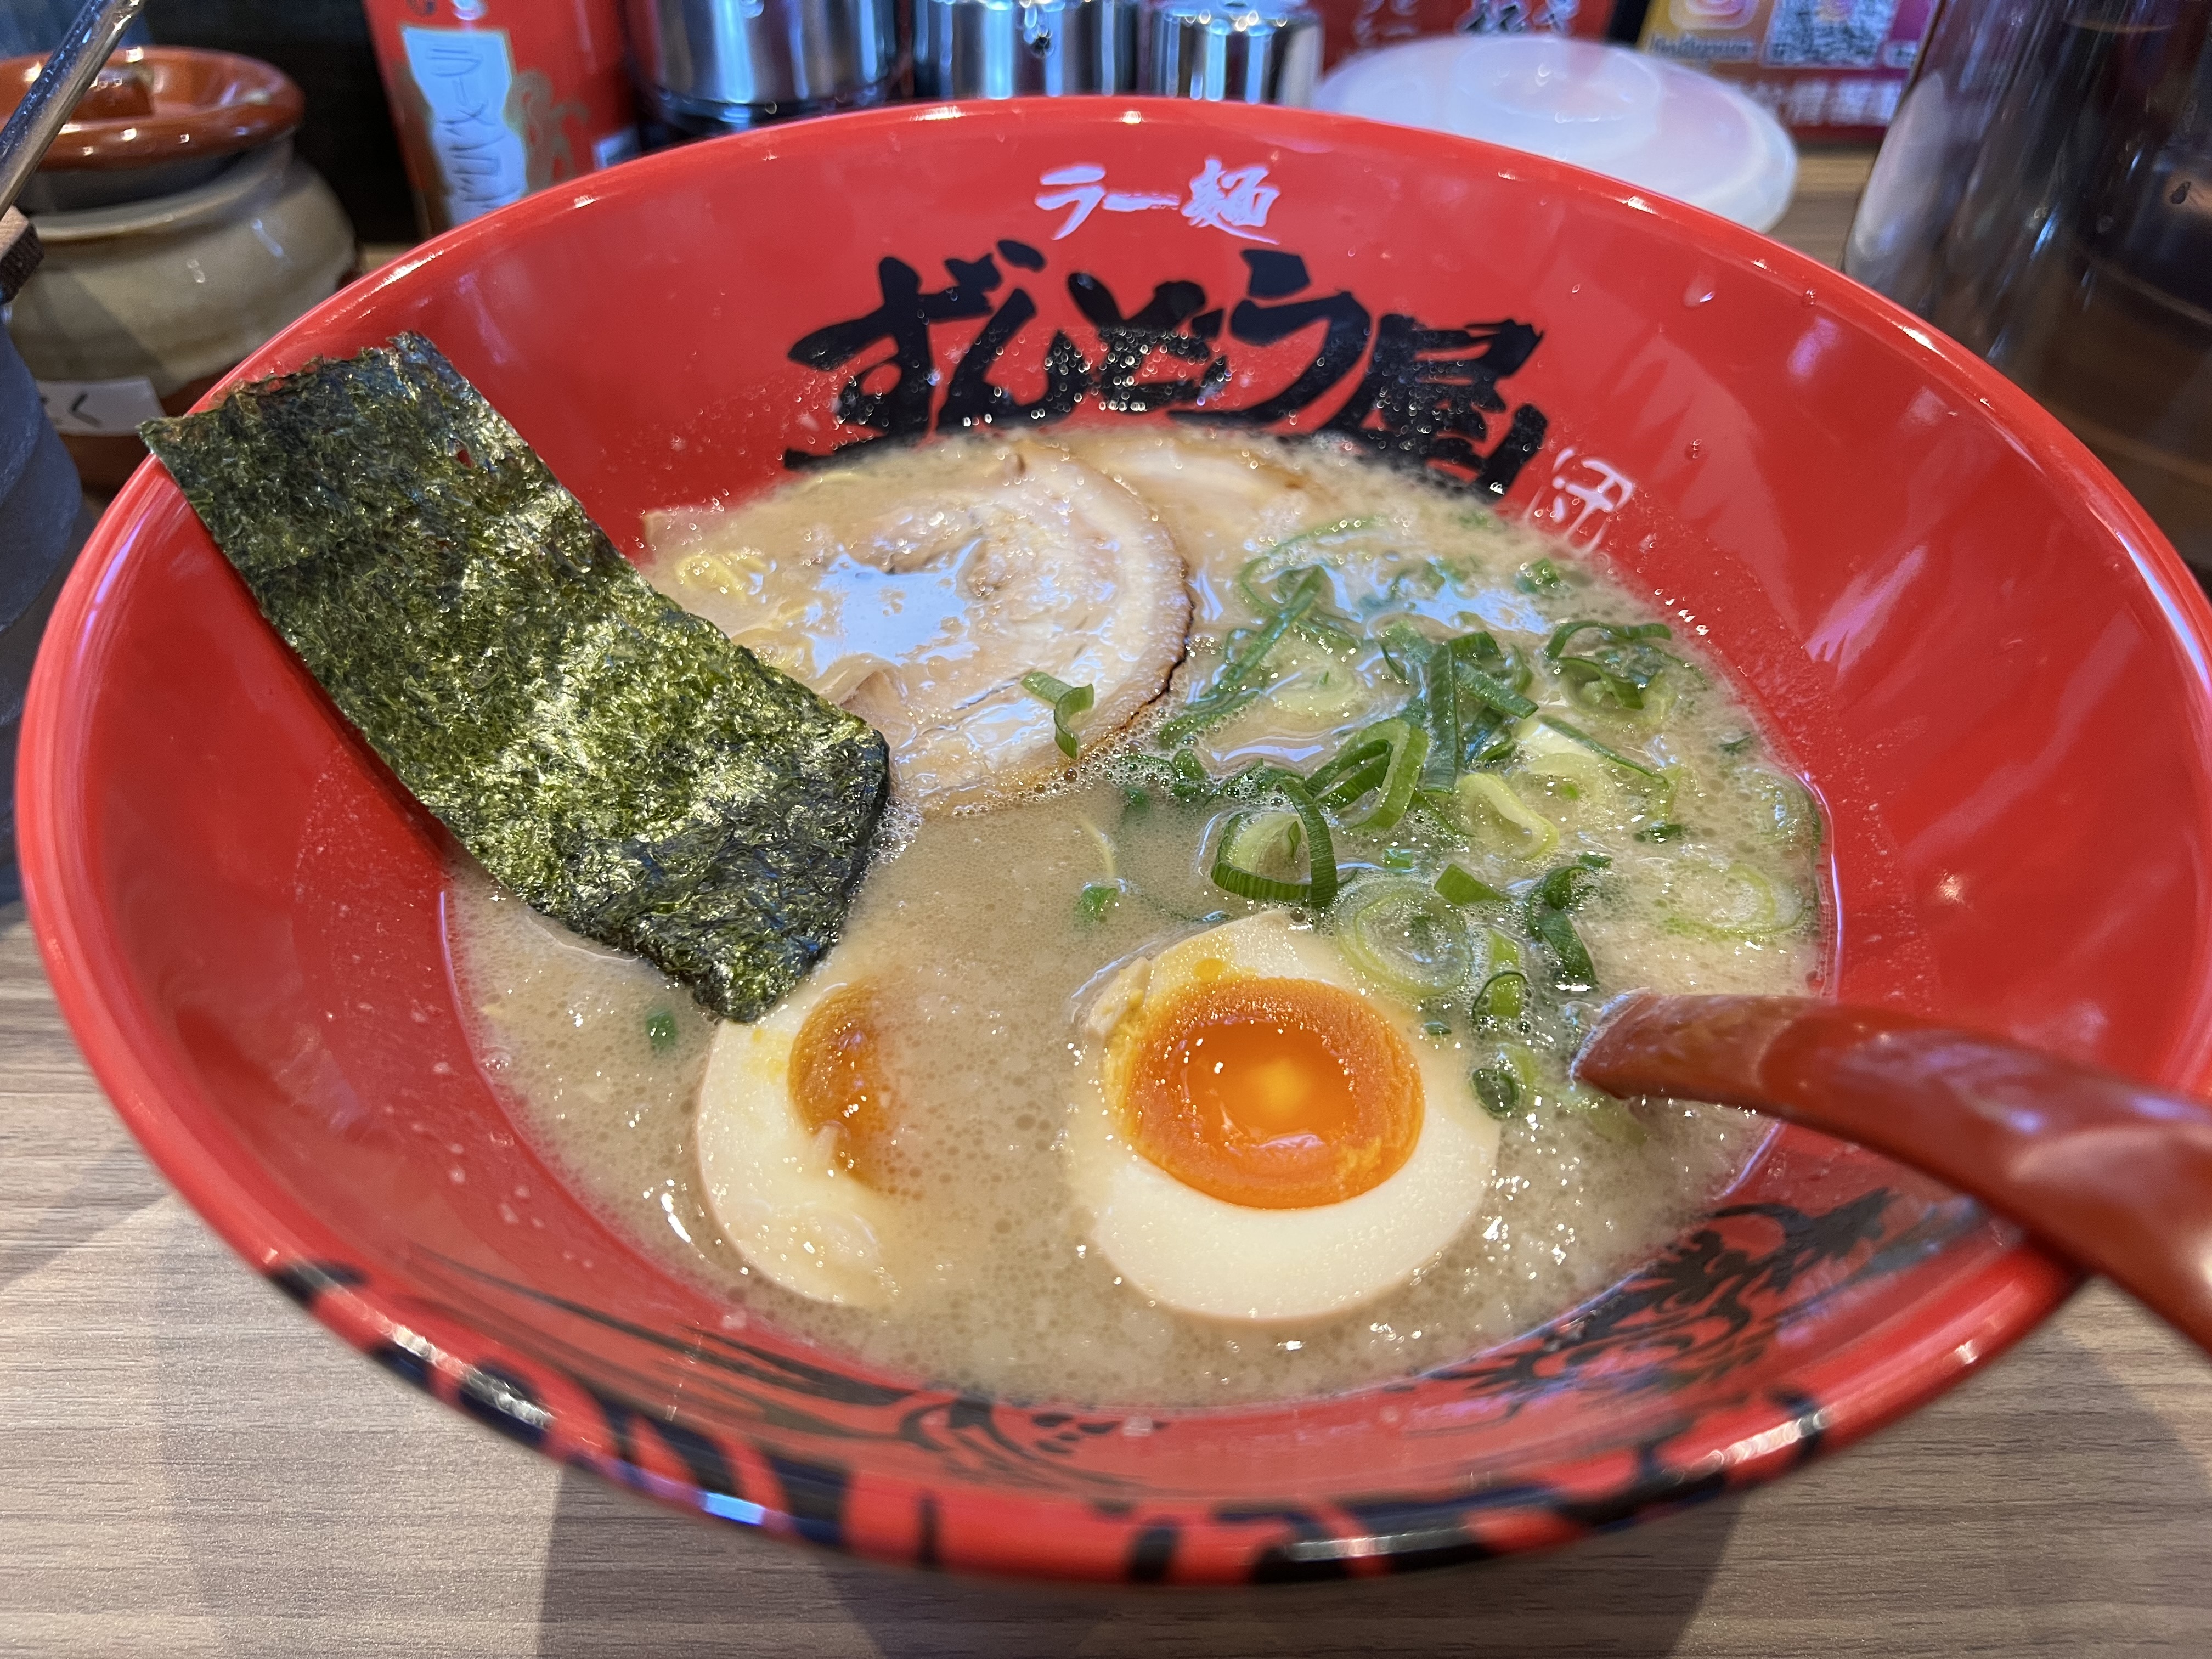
x: 2114, y: 1174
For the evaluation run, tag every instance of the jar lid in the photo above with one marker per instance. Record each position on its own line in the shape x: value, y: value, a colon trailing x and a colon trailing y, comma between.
x: 153, y: 105
x: 1645, y: 121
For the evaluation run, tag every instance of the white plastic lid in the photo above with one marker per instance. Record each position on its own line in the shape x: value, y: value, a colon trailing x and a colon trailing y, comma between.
x: 1645, y: 121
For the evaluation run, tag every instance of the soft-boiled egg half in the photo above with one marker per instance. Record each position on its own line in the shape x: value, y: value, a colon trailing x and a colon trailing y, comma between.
x: 797, y: 1127
x: 1257, y: 1139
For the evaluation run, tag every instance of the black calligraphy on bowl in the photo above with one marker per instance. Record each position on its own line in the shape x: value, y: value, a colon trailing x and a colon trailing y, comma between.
x: 1418, y: 393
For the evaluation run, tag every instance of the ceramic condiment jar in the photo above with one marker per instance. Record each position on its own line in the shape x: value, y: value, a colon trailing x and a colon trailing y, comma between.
x: 180, y: 233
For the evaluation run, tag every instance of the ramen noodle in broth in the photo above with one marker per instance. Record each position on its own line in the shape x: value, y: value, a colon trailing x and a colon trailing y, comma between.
x: 1224, y: 1060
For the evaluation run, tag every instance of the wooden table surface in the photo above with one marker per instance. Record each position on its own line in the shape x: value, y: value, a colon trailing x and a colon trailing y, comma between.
x: 191, y: 1467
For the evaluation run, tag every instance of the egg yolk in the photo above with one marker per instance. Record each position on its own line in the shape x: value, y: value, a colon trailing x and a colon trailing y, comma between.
x: 836, y: 1081
x: 1279, y: 1094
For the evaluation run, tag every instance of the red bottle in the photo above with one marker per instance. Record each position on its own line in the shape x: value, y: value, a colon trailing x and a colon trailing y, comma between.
x: 494, y: 99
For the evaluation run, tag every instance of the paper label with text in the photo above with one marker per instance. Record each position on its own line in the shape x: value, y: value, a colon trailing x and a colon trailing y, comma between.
x: 89, y: 408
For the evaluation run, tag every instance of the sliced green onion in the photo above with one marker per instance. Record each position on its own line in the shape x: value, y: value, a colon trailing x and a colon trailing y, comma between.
x: 1660, y: 694
x: 1409, y: 752
x: 1512, y: 1076
x: 1608, y: 798
x: 1617, y: 632
x: 1138, y: 773
x: 1260, y: 889
x: 1596, y: 748
x: 1305, y: 593
x: 1388, y: 756
x: 1549, y: 901
x: 1256, y: 839
x: 1624, y: 668
x: 1332, y: 782
x: 1405, y: 647
x: 1503, y: 995
x: 1581, y: 673
x: 1563, y: 888
x: 1312, y: 625
x: 1312, y: 685
x: 1233, y: 689
x: 1499, y: 751
x: 1373, y: 773
x: 1739, y: 742
x: 1251, y: 782
x: 660, y: 1030
x: 1732, y: 901
x: 1470, y: 690
x: 1207, y: 711
x: 1491, y: 812
x: 1663, y: 832
x: 1785, y: 807
x: 1096, y: 899
x: 1067, y: 702
x: 1633, y: 679
x: 1400, y: 860
x: 1320, y: 848
x: 1463, y: 890
x: 1495, y: 692
x: 1571, y: 969
x: 1318, y: 891
x: 1192, y: 782
x: 1248, y: 578
x: 1337, y: 641
x: 1571, y: 774
x: 1538, y: 576
x: 1441, y: 698
x: 1185, y: 778
x: 1458, y: 887
x: 1401, y: 935
x: 1499, y: 1090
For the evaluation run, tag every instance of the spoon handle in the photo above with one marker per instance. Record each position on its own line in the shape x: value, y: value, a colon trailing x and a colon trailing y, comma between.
x: 2115, y: 1175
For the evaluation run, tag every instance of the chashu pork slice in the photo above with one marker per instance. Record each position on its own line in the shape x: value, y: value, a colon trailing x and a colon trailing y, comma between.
x: 917, y: 590
x: 1223, y: 500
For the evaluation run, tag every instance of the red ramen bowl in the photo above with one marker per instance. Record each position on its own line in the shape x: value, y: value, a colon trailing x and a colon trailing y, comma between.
x: 1990, y: 664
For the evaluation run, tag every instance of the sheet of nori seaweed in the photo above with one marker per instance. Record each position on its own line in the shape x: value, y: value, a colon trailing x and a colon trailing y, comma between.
x: 610, y: 757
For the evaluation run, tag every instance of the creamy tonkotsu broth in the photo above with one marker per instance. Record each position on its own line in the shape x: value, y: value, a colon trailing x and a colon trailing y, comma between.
x: 988, y: 1143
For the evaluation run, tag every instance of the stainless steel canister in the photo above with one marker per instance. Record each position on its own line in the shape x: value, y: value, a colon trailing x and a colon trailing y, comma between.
x: 707, y: 66
x: 1008, y: 49
x: 1253, y: 51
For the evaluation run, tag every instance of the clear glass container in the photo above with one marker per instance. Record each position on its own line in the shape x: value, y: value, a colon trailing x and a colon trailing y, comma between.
x: 2044, y: 196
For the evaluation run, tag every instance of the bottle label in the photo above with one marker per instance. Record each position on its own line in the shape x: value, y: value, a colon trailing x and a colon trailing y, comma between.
x: 466, y: 77
x: 100, y: 409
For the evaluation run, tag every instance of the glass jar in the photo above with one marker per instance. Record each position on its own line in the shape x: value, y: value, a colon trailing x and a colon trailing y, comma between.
x: 2044, y: 196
